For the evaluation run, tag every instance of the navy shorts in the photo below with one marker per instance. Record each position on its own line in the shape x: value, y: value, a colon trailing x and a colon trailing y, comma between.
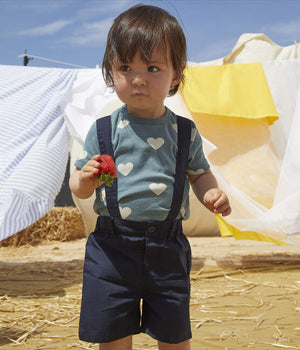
x: 136, y: 279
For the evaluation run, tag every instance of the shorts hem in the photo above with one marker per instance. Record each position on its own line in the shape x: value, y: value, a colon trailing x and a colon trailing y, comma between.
x: 96, y: 338
x: 169, y: 340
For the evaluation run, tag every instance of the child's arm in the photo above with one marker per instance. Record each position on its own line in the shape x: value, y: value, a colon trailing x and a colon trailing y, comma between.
x: 83, y: 182
x: 206, y: 189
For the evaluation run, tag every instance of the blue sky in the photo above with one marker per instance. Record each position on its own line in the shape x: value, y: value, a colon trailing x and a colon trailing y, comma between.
x: 74, y: 31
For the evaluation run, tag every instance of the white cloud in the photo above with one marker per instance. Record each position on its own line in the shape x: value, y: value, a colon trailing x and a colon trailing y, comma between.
x: 99, y: 7
x: 47, y: 29
x: 214, y: 50
x: 289, y: 29
x: 42, y: 6
x: 89, y: 34
x: 94, y: 33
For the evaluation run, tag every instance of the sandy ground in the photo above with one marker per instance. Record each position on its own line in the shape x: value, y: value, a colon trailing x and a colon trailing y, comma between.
x: 245, y: 295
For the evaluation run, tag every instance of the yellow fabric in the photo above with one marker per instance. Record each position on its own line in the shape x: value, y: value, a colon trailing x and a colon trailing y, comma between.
x: 229, y: 103
x: 227, y: 230
x: 233, y: 90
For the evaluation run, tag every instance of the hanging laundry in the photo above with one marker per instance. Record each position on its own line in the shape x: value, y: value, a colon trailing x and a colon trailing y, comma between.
x: 34, y: 143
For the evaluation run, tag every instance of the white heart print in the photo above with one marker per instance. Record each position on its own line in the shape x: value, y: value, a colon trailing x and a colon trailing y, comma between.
x: 158, y: 188
x: 125, y: 169
x: 182, y: 212
x: 155, y: 143
x: 196, y: 172
x: 123, y: 123
x: 82, y: 155
x: 125, y: 212
x: 103, y: 195
x: 193, y: 134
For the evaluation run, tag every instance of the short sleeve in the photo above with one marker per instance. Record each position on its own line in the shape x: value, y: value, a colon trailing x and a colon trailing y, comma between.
x: 90, y: 148
x: 197, y: 163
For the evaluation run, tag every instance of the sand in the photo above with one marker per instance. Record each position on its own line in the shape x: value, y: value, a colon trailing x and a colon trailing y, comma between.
x: 245, y: 295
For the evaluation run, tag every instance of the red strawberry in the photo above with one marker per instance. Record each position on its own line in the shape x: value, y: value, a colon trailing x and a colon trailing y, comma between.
x: 107, y: 169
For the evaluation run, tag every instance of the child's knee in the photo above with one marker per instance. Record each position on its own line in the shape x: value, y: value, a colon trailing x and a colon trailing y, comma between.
x: 120, y: 344
x: 185, y: 345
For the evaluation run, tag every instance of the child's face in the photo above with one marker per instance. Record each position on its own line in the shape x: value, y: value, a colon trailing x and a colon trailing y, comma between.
x: 144, y: 86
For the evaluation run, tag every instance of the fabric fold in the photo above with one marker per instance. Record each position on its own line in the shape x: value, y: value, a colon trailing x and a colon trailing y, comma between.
x: 85, y: 101
x: 34, y: 143
x: 235, y: 90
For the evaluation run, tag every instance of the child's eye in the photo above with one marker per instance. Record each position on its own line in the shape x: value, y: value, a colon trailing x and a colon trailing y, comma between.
x: 153, y: 69
x: 125, y: 68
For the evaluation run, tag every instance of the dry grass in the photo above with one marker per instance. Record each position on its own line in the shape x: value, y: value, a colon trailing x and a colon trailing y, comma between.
x: 39, y: 301
x: 231, y: 308
x: 255, y: 308
x: 59, y: 224
x: 234, y: 309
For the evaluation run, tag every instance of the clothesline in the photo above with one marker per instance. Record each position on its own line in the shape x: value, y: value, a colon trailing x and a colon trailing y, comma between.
x: 51, y: 60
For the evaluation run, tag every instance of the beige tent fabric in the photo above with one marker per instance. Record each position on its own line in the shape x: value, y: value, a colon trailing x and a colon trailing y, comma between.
x: 256, y: 47
x: 259, y: 48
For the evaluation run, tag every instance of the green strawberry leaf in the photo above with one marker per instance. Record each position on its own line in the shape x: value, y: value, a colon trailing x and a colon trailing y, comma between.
x: 106, y: 178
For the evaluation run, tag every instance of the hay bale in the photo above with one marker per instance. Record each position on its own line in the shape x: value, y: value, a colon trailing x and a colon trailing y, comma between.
x: 59, y: 224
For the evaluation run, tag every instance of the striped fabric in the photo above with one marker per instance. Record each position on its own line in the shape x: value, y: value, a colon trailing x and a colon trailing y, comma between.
x: 34, y: 143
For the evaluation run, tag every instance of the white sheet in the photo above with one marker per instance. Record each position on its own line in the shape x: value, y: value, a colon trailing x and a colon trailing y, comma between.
x: 85, y: 101
x: 34, y: 143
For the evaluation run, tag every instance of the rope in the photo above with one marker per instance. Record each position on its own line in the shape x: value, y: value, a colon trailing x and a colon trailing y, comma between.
x: 51, y: 60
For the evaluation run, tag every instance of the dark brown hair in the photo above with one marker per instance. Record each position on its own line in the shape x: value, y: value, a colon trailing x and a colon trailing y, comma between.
x: 142, y: 28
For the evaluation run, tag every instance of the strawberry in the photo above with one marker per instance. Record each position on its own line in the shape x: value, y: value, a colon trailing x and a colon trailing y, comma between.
x: 107, y: 169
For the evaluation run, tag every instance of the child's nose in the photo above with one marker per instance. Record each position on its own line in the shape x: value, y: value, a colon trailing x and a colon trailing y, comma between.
x: 138, y: 80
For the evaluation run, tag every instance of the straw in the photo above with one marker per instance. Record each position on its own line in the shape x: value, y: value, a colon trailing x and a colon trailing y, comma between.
x: 59, y: 224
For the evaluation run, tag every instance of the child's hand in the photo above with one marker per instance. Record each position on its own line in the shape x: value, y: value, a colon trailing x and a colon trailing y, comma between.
x: 217, y: 202
x: 90, y: 171
x: 83, y: 182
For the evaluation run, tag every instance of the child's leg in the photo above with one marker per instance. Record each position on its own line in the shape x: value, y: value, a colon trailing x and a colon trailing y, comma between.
x: 186, y: 345
x: 121, y: 344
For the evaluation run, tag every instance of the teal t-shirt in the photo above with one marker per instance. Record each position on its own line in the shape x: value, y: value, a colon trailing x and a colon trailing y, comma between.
x: 145, y: 155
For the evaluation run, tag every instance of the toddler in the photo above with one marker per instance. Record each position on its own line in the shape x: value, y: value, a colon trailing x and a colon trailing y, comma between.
x: 137, y: 261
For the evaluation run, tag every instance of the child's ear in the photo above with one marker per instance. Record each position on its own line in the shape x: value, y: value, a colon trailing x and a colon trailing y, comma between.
x: 177, y: 77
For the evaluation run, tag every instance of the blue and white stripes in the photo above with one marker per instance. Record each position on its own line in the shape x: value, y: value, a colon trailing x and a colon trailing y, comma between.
x: 34, y: 143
